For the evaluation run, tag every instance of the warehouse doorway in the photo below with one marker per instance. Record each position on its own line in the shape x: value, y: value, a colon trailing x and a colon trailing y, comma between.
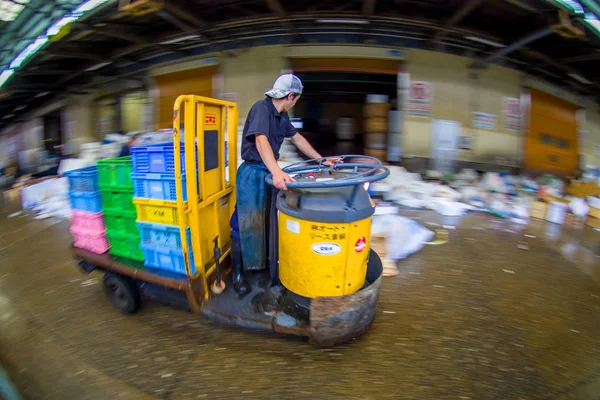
x: 333, y: 105
x: 53, y: 133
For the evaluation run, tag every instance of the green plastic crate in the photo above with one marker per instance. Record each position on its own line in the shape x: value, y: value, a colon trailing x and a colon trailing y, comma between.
x: 127, y: 246
x: 120, y: 200
x: 121, y: 223
x: 114, y: 173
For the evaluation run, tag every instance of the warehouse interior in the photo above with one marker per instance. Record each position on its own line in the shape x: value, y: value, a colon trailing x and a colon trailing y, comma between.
x: 333, y: 99
x: 459, y: 259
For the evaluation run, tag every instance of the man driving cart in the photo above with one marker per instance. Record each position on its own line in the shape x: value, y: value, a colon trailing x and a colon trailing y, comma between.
x: 266, y: 127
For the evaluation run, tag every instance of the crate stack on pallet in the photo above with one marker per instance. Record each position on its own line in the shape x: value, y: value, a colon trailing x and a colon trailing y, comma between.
x: 87, y: 223
x: 155, y: 199
x: 116, y: 188
x: 376, y: 126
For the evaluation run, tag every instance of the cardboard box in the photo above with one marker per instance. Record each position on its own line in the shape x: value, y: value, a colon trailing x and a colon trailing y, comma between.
x: 574, y: 221
x: 539, y: 209
x: 378, y: 245
x: 13, y: 195
x: 594, y: 212
x: 583, y: 189
x: 593, y: 223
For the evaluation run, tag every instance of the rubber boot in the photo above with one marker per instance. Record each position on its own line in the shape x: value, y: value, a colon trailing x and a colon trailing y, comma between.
x: 239, y: 282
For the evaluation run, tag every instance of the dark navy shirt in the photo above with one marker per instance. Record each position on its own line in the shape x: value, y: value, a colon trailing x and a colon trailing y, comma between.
x: 264, y: 119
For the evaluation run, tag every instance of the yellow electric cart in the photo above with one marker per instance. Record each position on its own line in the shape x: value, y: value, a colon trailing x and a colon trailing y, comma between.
x: 322, y: 281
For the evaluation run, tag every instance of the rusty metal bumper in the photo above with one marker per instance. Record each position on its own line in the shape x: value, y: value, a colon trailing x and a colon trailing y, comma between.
x: 334, y: 320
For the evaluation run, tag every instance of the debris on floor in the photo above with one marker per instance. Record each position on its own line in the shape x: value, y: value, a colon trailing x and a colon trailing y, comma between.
x: 518, y: 198
x: 394, y: 238
x: 440, y: 238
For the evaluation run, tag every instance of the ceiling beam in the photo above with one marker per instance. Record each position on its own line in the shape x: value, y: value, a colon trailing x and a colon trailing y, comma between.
x: 176, y: 22
x: 560, y: 66
x: 524, y: 41
x: 466, y: 9
x: 368, y: 8
x: 277, y: 9
x: 120, y: 34
x: 82, y: 55
x: 522, y: 4
x: 46, y: 72
x: 174, y: 9
x: 587, y: 57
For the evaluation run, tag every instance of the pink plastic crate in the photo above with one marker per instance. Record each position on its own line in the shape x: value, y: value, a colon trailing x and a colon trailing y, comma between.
x: 90, y: 240
x: 87, y: 221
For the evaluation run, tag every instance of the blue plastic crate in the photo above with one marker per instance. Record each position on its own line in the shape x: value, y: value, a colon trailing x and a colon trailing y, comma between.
x: 86, y: 201
x: 161, y: 235
x: 167, y: 259
x: 157, y: 186
x: 83, y: 179
x: 156, y: 159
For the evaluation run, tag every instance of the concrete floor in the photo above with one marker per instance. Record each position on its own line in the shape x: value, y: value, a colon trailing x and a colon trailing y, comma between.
x: 475, y: 318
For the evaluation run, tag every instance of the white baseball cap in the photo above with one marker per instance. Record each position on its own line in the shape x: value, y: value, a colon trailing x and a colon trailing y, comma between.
x: 284, y: 85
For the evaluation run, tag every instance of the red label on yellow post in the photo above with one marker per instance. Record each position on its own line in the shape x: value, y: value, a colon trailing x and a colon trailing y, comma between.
x: 210, y: 119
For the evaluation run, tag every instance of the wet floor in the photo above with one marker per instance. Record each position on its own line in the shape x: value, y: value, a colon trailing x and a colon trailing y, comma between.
x: 501, y: 311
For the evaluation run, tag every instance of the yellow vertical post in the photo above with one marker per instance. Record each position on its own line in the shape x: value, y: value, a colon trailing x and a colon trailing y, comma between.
x: 180, y: 105
x: 232, y: 148
x: 199, y: 126
x: 222, y: 139
x: 191, y: 132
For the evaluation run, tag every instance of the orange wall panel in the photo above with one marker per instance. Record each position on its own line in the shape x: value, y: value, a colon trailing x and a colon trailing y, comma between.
x: 551, y: 142
x: 196, y: 81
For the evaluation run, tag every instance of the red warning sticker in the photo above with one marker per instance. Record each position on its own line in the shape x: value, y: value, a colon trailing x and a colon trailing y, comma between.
x: 360, y: 245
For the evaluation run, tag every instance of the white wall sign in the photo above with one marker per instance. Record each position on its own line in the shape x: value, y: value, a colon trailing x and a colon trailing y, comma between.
x: 420, y: 96
x: 512, y: 114
x: 483, y: 120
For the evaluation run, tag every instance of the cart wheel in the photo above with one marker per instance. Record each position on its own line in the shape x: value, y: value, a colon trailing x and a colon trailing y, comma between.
x: 122, y: 292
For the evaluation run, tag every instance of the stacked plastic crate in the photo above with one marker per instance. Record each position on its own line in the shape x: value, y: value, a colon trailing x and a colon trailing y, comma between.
x: 116, y: 188
x: 155, y: 198
x: 87, y: 223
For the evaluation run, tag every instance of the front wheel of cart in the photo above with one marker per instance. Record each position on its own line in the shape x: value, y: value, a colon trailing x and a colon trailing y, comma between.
x: 122, y: 292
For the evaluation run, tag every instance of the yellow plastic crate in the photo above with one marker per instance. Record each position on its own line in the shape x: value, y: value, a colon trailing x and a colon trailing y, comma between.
x: 158, y: 211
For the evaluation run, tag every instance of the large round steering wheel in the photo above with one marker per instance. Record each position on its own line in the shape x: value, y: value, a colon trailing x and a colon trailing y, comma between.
x: 351, y: 173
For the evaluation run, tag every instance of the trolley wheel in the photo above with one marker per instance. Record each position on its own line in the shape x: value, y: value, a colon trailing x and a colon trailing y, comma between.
x: 122, y: 292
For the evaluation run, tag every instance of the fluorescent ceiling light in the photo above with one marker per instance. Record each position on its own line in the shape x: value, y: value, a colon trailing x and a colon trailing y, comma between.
x: 484, y: 41
x: 579, y: 78
x: 98, y: 66
x: 180, y: 39
x: 8, y: 116
x: 4, y: 75
x: 10, y: 9
x: 55, y: 27
x: 89, y: 5
x: 592, y: 21
x: 31, y: 49
x: 74, y: 16
x: 571, y: 5
x: 42, y: 94
x: 22, y: 107
x: 343, y: 21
